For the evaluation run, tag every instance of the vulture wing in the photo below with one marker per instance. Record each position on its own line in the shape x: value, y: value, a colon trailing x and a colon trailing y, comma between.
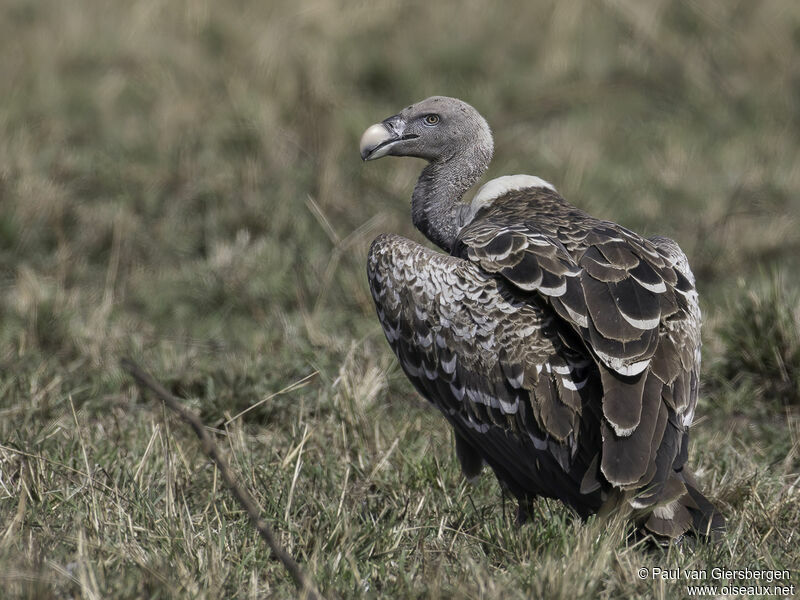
x: 509, y: 382
x: 632, y: 303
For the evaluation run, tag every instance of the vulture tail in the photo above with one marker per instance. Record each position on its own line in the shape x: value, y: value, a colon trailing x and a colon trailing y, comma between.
x: 706, y: 519
x: 689, y: 511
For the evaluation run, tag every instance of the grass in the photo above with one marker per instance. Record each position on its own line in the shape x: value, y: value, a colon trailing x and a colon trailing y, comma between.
x: 180, y: 183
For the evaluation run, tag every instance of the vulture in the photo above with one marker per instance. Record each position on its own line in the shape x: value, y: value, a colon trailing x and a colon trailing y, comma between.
x: 564, y: 350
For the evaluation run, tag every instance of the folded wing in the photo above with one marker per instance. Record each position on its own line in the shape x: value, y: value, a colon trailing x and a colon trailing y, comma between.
x: 513, y: 386
x: 632, y: 303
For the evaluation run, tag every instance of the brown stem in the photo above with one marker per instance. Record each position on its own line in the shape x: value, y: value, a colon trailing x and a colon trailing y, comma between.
x: 245, y: 499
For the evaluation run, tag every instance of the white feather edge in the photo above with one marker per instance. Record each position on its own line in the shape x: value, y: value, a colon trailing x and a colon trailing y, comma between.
x: 621, y: 366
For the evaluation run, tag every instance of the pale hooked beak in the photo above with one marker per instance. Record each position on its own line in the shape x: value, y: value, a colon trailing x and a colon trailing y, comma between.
x: 378, y: 139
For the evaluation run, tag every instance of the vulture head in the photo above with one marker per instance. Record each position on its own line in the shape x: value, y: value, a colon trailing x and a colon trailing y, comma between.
x: 436, y: 129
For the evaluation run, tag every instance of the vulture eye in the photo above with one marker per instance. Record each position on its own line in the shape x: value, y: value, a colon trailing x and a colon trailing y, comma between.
x: 431, y: 120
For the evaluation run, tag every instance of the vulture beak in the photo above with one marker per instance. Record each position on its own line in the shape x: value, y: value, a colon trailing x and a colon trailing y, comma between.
x: 378, y: 139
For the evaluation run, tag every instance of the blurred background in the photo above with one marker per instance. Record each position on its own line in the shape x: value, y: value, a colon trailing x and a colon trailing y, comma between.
x: 180, y: 182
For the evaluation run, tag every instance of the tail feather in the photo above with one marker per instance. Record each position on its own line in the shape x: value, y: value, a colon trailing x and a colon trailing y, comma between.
x: 675, y: 514
x: 671, y: 520
x: 706, y: 519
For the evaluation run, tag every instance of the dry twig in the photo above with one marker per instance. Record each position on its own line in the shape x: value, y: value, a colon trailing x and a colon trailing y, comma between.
x: 245, y: 499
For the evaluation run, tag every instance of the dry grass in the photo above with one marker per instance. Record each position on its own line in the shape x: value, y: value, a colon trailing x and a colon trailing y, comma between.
x: 179, y: 182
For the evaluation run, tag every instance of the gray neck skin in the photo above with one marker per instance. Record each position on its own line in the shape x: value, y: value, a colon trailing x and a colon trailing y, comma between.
x: 437, y: 209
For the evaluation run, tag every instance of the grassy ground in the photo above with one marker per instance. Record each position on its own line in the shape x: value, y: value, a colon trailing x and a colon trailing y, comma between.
x: 180, y: 183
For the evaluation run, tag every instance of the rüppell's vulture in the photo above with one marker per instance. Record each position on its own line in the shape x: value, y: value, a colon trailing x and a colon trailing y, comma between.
x: 564, y: 350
